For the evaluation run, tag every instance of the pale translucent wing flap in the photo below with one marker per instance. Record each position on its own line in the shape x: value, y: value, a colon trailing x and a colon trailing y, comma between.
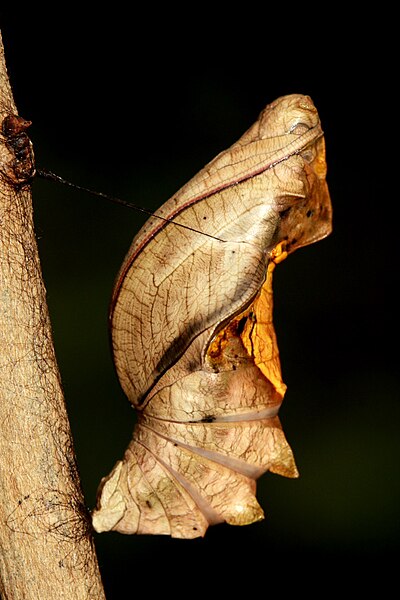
x: 181, y: 283
x: 165, y: 309
x: 173, y: 487
x: 116, y: 508
x: 271, y: 139
x: 127, y: 503
x: 175, y: 283
x: 201, y: 395
x: 220, y: 493
x: 242, y: 161
x: 110, y: 506
x: 152, y: 515
x: 184, y: 518
x: 283, y: 463
x: 251, y: 447
x: 142, y: 496
x: 225, y: 384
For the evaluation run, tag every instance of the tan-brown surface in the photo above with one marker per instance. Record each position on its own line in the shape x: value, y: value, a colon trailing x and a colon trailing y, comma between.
x: 46, y: 546
x: 193, y: 339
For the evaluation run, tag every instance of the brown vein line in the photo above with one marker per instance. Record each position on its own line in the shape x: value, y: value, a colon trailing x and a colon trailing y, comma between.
x: 186, y: 485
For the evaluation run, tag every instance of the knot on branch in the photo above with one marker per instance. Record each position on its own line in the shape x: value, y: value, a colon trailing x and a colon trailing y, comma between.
x: 20, y: 166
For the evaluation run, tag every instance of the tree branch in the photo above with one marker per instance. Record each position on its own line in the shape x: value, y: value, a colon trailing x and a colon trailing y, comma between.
x: 46, y: 544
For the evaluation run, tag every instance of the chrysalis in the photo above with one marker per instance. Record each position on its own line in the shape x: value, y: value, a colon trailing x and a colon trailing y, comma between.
x: 192, y: 333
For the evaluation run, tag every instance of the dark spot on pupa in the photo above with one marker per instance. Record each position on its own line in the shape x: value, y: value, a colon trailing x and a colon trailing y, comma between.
x: 284, y: 212
x: 148, y: 503
x: 309, y: 213
x: 208, y: 419
x: 240, y: 326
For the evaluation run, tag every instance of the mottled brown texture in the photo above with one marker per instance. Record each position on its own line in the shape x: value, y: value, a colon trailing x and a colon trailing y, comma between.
x: 193, y: 338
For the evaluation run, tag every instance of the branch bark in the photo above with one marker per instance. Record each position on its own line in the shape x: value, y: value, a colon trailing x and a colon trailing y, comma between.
x: 46, y: 546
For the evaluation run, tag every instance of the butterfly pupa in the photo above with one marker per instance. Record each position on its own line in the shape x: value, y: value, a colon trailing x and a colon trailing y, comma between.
x: 192, y: 333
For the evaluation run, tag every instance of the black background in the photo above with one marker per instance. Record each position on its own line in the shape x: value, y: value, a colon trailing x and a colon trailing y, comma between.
x: 134, y: 105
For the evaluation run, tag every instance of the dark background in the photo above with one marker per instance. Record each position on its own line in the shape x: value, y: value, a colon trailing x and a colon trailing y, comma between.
x: 134, y: 105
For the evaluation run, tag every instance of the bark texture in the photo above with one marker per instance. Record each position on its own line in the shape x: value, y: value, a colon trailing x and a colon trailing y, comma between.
x: 46, y: 546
